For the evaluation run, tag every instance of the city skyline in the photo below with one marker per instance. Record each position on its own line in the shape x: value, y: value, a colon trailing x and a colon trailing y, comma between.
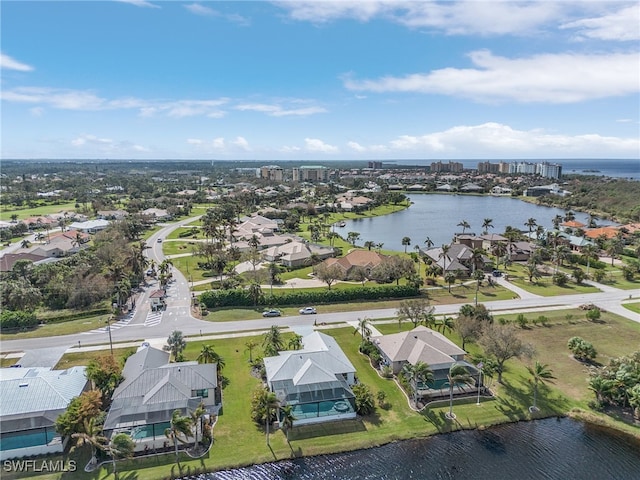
x: 320, y: 81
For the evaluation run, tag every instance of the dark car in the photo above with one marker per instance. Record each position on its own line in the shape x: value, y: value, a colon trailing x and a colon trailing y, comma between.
x: 496, y: 273
x: 274, y: 312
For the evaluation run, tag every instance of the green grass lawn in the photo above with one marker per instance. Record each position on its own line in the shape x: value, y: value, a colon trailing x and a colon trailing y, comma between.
x: 634, y: 307
x: 545, y: 286
x: 240, y: 442
x: 62, y: 328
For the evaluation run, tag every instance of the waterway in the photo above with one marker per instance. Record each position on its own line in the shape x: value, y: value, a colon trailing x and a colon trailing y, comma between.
x: 436, y: 216
x: 562, y: 449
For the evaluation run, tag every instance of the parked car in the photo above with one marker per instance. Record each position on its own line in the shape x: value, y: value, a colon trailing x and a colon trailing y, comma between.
x: 308, y: 311
x: 274, y: 312
x: 496, y: 273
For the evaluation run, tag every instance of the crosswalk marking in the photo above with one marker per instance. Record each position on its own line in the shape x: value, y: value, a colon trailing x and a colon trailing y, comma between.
x: 153, y: 318
x: 114, y: 326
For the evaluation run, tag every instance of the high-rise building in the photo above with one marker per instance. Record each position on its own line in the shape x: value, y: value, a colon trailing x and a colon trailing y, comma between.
x: 272, y: 172
x: 311, y: 173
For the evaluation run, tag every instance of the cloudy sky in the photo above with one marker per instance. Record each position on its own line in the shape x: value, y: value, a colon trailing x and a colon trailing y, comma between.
x: 319, y: 80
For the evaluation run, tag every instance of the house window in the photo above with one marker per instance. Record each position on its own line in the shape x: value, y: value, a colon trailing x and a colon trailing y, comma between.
x: 204, y: 393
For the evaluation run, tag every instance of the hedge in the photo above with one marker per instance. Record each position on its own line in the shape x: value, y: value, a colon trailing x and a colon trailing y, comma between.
x: 17, y: 320
x: 241, y: 298
x: 76, y: 315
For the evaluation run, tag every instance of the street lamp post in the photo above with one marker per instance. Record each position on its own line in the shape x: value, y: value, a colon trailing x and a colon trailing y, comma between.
x: 109, y: 330
x: 480, y: 365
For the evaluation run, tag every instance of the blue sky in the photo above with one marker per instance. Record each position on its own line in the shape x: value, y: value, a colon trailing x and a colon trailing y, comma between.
x: 319, y: 80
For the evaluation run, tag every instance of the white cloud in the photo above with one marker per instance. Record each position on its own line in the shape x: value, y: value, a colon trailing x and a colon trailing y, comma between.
x: 622, y: 25
x: 317, y: 145
x: 548, y: 78
x: 502, y: 140
x: 8, y: 63
x: 37, y: 111
x: 356, y: 146
x: 140, y: 3
x: 289, y: 149
x: 242, y: 143
x: 90, y: 139
x: 198, y: 9
x: 66, y: 99
x: 278, y: 110
x: 461, y: 18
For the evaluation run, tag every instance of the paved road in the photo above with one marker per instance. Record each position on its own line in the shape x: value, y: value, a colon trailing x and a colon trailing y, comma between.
x: 178, y: 313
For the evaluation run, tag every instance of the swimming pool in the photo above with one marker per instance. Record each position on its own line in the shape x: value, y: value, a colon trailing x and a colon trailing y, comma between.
x: 29, y: 439
x: 322, y: 409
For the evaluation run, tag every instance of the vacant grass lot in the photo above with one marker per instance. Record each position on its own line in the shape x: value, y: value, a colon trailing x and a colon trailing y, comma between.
x: 44, y: 208
x: 545, y: 286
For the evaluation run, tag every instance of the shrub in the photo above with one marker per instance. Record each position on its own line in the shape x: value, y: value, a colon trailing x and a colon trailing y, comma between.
x: 365, y: 403
x: 560, y: 279
x: 522, y: 320
x: 581, y: 349
x: 17, y: 320
x: 593, y: 314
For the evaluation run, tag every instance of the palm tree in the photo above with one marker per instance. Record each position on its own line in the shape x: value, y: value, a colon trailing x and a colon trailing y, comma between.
x: 363, y: 328
x: 179, y: 425
x: 176, y: 344
x: 464, y: 224
x: 487, y: 223
x: 443, y: 256
x: 369, y: 245
x: 541, y: 373
x: 530, y: 224
x: 499, y: 249
x: 295, y: 342
x: 477, y: 258
x: 272, y: 341
x: 196, y: 419
x: 207, y: 355
x: 450, y: 279
x: 25, y: 243
x: 457, y: 375
x: 428, y: 242
x: 406, y: 241
x: 251, y: 344
x: 446, y: 324
x: 287, y: 419
x: 92, y: 436
x: 589, y: 252
x: 271, y: 404
x: 120, y: 446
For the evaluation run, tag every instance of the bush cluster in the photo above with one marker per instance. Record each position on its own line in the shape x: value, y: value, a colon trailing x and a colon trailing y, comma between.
x: 17, y: 320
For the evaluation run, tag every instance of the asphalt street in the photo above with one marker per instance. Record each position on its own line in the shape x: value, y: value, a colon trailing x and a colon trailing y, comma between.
x: 178, y: 312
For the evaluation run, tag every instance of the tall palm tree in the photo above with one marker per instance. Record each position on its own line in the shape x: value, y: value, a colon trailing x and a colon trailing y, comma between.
x: 487, y: 223
x: 530, y: 223
x: 179, y: 425
x: 91, y: 435
x: 428, y: 242
x: 457, y: 375
x: 120, y: 446
x: 477, y: 258
x: 446, y: 324
x: 406, y: 241
x: 363, y: 328
x: 176, y: 344
x: 369, y: 245
x: 251, y: 344
x: 444, y: 255
x: 541, y: 373
x: 286, y: 419
x: 196, y: 419
x: 207, y: 355
x: 464, y: 224
x: 590, y: 252
x: 271, y: 404
x: 272, y: 341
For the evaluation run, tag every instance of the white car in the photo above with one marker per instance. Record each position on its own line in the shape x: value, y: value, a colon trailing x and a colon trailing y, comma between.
x: 308, y: 311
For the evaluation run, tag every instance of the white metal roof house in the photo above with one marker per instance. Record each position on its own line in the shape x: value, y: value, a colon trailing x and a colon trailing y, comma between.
x: 316, y: 380
x: 31, y: 399
x: 153, y: 388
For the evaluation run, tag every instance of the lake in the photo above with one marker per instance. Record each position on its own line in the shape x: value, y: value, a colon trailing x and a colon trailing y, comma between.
x: 562, y: 449
x: 437, y: 215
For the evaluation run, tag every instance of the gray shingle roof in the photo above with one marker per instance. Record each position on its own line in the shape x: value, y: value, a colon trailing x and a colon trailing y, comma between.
x: 398, y: 347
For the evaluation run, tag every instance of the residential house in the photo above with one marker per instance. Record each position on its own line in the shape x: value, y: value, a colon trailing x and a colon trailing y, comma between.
x: 315, y: 381
x: 90, y: 226
x: 8, y: 260
x: 422, y: 345
x: 32, y: 400
x: 296, y: 253
x: 152, y: 389
x: 155, y: 215
x: 366, y: 259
